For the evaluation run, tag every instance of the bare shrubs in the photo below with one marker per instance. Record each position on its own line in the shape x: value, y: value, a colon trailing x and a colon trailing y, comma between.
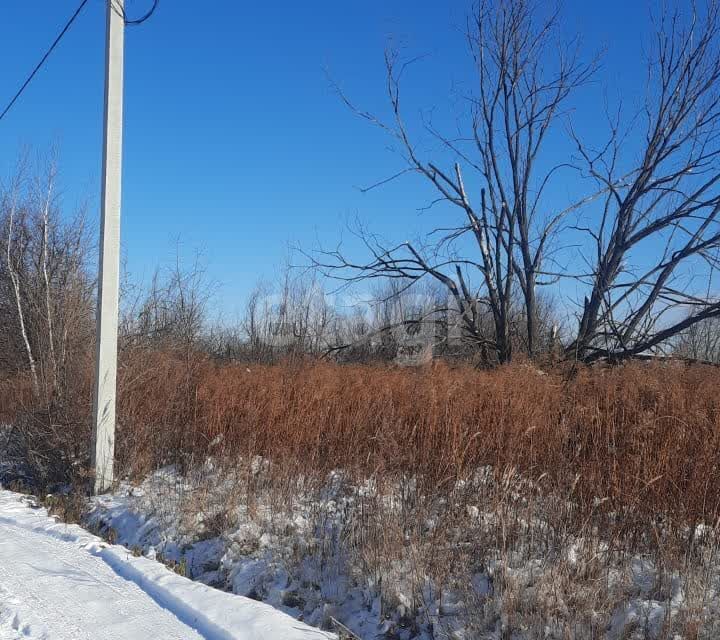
x: 46, y: 333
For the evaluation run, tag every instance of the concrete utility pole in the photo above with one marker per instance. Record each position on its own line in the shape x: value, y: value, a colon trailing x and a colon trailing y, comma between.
x: 109, y: 277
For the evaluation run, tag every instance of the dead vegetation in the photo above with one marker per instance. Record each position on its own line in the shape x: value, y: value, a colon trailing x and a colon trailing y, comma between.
x: 547, y: 486
x: 509, y: 504
x: 566, y: 501
x: 640, y: 440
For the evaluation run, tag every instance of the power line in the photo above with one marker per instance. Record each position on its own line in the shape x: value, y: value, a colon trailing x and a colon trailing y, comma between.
x: 44, y: 58
x: 120, y: 10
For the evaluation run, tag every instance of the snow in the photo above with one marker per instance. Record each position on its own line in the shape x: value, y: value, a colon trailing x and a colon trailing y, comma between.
x: 60, y: 582
x: 297, y: 559
x: 285, y: 560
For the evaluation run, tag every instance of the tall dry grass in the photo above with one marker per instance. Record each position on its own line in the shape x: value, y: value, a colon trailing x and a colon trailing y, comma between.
x: 445, y: 473
x: 642, y: 440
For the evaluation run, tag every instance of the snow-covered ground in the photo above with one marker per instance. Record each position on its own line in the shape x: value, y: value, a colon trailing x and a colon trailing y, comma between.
x: 59, y: 582
x: 313, y: 560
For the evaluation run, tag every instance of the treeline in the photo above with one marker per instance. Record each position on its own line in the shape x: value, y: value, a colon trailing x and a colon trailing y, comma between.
x: 47, y: 298
x: 639, y: 246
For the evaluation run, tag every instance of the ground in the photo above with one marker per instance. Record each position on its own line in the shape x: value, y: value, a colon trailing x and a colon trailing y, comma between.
x: 59, y: 582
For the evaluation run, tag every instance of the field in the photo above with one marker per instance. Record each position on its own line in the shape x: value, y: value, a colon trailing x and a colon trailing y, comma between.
x: 573, y: 502
x: 466, y: 388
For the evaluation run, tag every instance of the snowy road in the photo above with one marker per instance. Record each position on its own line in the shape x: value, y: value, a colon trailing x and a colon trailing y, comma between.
x: 50, y: 589
x: 59, y: 582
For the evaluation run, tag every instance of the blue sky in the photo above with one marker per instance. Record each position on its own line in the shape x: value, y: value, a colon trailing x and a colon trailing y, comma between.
x: 235, y: 143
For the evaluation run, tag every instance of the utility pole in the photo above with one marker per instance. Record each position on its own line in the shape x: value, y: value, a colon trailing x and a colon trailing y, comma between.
x: 109, y: 274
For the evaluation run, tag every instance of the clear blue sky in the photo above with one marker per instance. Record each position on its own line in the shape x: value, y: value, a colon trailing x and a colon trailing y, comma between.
x: 234, y: 141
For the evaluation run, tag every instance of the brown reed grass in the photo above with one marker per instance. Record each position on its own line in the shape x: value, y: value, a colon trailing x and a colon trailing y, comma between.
x: 642, y: 439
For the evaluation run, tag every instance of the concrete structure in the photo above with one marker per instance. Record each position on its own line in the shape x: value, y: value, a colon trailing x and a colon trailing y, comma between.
x: 103, y: 450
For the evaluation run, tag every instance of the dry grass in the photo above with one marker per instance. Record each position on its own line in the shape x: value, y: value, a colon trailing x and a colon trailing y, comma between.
x: 446, y: 473
x: 641, y: 440
x: 634, y: 447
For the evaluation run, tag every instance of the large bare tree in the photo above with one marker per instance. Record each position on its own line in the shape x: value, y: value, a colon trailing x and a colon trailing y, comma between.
x: 655, y: 237
x: 490, y: 258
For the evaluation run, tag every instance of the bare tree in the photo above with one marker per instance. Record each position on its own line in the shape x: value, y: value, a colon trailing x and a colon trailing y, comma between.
x: 700, y: 342
x: 524, y: 80
x: 171, y: 311
x: 294, y: 318
x: 47, y: 200
x: 45, y: 290
x: 254, y: 324
x: 662, y: 200
x: 11, y: 209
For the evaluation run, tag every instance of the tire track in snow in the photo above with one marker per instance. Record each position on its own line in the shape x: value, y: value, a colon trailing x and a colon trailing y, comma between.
x: 51, y: 589
x: 59, y: 582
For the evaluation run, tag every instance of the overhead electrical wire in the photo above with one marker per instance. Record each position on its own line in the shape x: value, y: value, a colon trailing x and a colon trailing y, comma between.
x: 44, y: 58
x: 118, y: 8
